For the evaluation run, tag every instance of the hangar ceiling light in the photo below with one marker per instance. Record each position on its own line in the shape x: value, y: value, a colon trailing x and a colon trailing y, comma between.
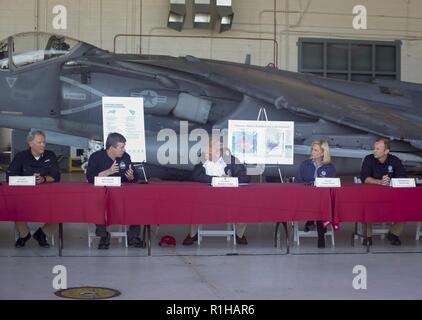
x: 206, y: 14
x: 225, y: 15
x: 202, y: 14
x: 177, y: 14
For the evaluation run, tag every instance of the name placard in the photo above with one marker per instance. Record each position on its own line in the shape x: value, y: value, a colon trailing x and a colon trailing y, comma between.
x: 107, y: 181
x: 22, y: 181
x: 225, y: 182
x: 403, y: 183
x: 327, y: 182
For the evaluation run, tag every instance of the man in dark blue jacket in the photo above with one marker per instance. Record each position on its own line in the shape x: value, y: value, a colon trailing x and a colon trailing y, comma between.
x: 114, y: 162
x: 378, y: 168
x: 41, y: 163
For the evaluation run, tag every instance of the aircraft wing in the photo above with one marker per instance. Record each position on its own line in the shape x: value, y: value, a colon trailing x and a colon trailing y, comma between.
x: 295, y: 93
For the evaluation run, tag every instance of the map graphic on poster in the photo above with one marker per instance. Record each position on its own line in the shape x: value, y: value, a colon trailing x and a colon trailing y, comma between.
x: 125, y: 115
x: 262, y: 142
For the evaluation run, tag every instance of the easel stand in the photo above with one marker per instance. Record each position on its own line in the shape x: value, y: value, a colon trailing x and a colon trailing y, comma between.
x: 140, y: 166
x: 262, y: 114
x: 146, y: 234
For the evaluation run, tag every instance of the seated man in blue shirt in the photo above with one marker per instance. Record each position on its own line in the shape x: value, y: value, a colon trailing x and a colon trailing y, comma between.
x: 217, y: 163
x: 41, y: 163
x: 114, y: 162
x: 378, y: 168
x: 319, y: 165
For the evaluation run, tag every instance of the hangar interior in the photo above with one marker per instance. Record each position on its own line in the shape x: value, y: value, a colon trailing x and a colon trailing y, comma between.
x: 309, y: 36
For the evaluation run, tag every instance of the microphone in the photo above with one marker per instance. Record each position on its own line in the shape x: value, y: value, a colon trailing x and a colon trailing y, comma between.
x: 122, y: 167
x: 390, y: 171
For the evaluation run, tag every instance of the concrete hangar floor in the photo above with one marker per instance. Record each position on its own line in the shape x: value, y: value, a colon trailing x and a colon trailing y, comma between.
x: 215, y: 270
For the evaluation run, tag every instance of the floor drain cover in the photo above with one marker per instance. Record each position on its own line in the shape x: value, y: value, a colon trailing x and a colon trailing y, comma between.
x: 88, y: 293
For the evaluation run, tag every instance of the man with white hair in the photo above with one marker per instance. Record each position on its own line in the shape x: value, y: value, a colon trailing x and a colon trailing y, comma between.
x: 41, y: 163
x: 218, y: 162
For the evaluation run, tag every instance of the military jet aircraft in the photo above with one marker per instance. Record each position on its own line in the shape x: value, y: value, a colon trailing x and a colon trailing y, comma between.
x: 56, y: 83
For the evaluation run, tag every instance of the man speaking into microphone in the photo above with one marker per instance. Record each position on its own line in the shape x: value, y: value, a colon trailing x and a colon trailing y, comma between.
x: 114, y: 162
x: 379, y: 168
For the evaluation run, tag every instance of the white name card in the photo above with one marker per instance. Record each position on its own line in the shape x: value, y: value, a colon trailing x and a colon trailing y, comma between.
x: 328, y: 182
x: 225, y: 182
x: 403, y: 183
x: 22, y: 181
x: 107, y: 181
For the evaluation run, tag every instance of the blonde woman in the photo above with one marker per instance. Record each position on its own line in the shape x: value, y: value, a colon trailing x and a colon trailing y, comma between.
x: 319, y: 165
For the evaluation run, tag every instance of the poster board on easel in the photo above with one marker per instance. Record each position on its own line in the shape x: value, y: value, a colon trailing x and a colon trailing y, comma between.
x: 125, y: 115
x: 262, y: 142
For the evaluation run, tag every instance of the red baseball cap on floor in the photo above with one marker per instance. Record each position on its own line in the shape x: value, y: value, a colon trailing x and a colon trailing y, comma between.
x: 168, y: 240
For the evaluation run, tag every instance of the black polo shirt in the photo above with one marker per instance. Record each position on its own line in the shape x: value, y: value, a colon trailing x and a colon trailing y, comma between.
x: 100, y: 161
x: 25, y: 164
x: 392, y: 167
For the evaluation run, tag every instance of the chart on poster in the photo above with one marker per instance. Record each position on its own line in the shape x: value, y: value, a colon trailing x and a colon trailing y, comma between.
x: 262, y: 142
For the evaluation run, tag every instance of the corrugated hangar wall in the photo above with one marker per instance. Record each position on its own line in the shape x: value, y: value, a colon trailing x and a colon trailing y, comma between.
x: 98, y: 21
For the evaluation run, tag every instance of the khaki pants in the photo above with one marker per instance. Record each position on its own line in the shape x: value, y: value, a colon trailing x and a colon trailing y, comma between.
x: 396, y: 229
x: 48, y: 229
x: 240, y: 229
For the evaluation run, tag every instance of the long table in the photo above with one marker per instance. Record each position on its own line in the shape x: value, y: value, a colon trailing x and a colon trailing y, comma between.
x: 373, y: 203
x: 55, y: 202
x: 195, y: 203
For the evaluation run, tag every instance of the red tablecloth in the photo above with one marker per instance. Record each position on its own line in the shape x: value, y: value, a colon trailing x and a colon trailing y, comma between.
x: 186, y: 203
x: 196, y: 203
x: 53, y: 202
x: 372, y: 203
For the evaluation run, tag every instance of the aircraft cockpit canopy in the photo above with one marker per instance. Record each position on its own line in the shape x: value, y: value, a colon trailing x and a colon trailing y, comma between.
x: 34, y: 47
